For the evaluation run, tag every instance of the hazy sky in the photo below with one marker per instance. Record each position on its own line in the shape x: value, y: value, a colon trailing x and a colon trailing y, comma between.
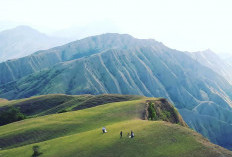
x: 189, y: 25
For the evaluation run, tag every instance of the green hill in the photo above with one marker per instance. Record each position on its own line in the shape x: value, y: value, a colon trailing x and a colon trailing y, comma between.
x: 2, y: 101
x: 78, y: 133
x: 57, y: 103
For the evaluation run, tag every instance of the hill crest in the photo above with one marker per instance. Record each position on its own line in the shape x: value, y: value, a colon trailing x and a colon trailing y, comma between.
x: 76, y: 130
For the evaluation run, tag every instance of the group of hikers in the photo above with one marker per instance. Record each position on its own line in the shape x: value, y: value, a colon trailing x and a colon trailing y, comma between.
x: 130, y: 135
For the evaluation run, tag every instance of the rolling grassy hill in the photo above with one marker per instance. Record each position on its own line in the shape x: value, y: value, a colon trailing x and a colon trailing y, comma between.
x: 2, y: 101
x: 56, y: 103
x: 78, y: 133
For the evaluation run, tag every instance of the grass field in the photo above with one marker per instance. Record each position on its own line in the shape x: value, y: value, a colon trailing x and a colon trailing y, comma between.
x: 54, y: 103
x: 56, y: 125
x: 78, y: 133
x: 2, y: 102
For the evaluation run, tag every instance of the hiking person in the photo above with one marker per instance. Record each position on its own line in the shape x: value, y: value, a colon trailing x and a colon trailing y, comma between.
x: 121, y: 134
x: 104, y: 130
x: 132, y: 134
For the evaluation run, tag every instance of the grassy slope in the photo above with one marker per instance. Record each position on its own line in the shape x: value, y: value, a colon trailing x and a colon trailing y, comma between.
x: 38, y: 104
x: 53, y: 103
x: 78, y: 133
x: 3, y: 101
x: 52, y: 126
x: 152, y: 139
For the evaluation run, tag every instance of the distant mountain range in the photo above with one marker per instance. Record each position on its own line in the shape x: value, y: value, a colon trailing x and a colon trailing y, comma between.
x: 23, y: 40
x: 214, y: 62
x: 119, y: 63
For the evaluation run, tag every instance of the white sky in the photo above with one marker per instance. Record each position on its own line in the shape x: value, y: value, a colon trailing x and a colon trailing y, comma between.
x: 189, y: 25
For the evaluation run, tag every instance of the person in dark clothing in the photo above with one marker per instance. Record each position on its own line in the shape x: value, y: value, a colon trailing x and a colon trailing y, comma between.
x: 121, y: 134
x: 132, y: 134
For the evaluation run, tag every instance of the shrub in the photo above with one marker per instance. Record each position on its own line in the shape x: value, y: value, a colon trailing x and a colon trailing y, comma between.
x: 36, y: 151
x: 165, y: 115
x: 151, y: 111
x: 63, y: 111
x: 12, y: 114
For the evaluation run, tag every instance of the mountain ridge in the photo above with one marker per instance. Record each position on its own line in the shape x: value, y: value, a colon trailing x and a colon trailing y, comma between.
x: 213, y: 61
x: 15, y: 69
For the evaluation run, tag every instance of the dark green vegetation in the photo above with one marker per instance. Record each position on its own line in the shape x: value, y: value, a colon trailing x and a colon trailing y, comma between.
x: 36, y: 151
x: 114, y: 63
x: 151, y: 112
x: 162, y: 110
x: 78, y: 133
x: 10, y: 115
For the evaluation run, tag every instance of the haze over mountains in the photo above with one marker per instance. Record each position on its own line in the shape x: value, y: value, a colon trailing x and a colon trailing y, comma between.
x: 23, y: 40
x: 79, y: 32
x: 229, y: 61
x: 119, y: 63
x: 214, y: 62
